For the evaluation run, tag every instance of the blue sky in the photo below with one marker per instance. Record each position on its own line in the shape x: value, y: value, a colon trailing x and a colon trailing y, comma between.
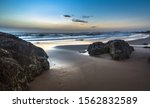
x: 99, y: 15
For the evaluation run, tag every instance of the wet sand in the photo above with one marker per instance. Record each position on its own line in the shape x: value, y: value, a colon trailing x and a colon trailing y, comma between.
x: 74, y: 71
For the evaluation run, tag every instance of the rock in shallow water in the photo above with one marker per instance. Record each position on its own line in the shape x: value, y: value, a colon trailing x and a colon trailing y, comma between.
x: 118, y: 49
x: 20, y: 62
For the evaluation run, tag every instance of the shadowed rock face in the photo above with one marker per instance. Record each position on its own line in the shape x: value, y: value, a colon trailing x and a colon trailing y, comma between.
x: 118, y: 49
x: 96, y: 48
x: 20, y: 62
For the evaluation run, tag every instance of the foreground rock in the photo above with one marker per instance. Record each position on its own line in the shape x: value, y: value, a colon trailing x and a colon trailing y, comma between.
x: 20, y: 62
x: 118, y: 49
x: 96, y: 48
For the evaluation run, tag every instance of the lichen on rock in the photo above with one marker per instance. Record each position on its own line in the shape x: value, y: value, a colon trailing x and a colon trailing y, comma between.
x: 20, y: 62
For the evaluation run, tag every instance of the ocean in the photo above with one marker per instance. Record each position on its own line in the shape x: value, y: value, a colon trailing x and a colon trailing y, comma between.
x: 39, y: 37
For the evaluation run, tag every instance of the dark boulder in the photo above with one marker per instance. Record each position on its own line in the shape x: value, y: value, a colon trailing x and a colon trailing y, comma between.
x: 12, y: 76
x: 96, y: 48
x: 20, y: 62
x: 118, y: 49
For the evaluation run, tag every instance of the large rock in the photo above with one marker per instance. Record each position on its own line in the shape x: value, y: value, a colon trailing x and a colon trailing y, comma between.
x: 97, y: 48
x: 20, y: 62
x: 12, y: 76
x: 118, y: 49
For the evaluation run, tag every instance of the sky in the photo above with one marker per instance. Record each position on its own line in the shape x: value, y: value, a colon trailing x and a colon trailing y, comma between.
x: 74, y: 15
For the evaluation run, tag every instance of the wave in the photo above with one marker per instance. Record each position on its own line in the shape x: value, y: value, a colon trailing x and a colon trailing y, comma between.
x: 35, y: 37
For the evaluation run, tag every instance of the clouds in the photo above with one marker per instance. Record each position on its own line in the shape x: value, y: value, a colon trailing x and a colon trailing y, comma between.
x: 82, y: 19
x: 67, y: 16
x: 86, y: 17
x: 79, y: 21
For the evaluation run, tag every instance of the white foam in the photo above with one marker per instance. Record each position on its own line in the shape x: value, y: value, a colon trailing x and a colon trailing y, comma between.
x: 137, y: 36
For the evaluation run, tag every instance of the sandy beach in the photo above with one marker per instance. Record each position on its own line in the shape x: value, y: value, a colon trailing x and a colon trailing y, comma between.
x: 71, y: 69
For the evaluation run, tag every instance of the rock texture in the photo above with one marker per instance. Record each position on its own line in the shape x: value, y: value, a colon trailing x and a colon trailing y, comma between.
x: 96, y: 48
x: 118, y: 49
x: 20, y: 62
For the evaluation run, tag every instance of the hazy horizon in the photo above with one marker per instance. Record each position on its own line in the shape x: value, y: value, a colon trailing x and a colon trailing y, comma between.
x: 68, y: 16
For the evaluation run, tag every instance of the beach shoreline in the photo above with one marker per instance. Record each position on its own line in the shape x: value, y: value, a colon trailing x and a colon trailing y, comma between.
x: 72, y: 70
x: 47, y: 44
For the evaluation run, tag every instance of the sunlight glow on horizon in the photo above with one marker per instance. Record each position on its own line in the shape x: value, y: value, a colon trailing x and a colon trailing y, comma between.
x: 48, y: 15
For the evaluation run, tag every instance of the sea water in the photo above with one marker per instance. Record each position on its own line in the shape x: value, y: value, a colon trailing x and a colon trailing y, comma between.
x: 37, y: 37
